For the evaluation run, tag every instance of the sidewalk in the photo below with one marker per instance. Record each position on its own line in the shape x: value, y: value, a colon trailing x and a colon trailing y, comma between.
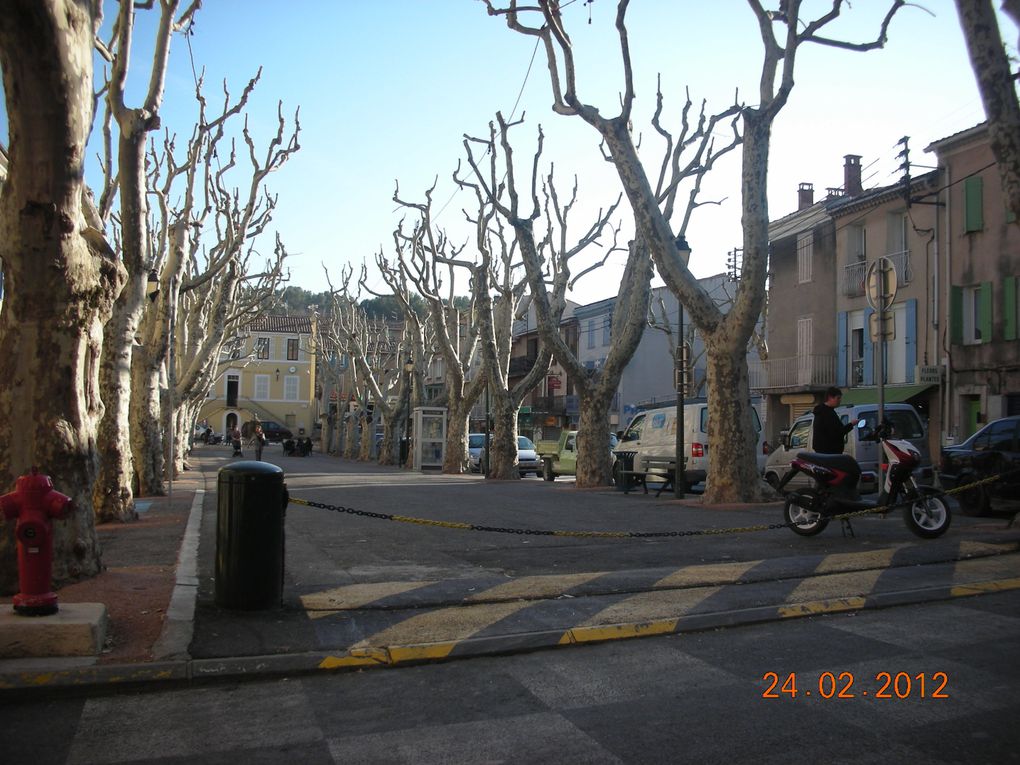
x: 157, y: 587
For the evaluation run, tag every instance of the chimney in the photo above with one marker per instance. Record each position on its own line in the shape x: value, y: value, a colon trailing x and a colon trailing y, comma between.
x: 805, y: 195
x: 852, y: 175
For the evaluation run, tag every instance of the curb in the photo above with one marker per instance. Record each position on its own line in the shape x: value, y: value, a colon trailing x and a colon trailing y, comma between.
x: 237, y: 668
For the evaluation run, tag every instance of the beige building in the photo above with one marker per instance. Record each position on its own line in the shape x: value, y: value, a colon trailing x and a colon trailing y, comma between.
x: 979, y: 249
x: 268, y: 375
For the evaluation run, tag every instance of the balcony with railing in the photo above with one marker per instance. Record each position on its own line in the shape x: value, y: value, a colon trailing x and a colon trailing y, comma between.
x: 796, y: 372
x: 521, y: 365
x: 853, y: 279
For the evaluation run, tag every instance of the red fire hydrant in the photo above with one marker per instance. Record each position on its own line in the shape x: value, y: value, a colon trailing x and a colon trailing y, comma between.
x: 34, y: 502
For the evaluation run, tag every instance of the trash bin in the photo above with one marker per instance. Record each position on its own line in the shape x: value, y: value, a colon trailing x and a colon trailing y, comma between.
x: 251, y: 502
x: 624, y: 461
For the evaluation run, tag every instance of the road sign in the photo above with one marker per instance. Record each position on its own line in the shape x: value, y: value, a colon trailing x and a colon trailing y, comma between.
x: 890, y: 327
x: 881, y: 284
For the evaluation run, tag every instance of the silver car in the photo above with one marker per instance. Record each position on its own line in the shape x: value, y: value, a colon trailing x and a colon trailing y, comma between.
x: 527, y: 458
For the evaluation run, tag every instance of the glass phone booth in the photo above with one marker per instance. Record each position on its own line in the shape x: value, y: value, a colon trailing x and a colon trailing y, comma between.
x: 429, y: 437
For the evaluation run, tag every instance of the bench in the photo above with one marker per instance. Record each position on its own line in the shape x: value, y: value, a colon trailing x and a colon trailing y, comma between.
x: 661, y: 468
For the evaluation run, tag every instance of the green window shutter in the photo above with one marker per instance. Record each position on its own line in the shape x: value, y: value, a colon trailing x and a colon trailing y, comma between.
x: 985, y: 312
x: 956, y: 315
x: 1009, y: 307
x: 1010, y: 215
x: 973, y: 201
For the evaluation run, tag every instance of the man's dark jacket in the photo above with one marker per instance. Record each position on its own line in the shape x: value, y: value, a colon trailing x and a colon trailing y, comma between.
x: 828, y: 430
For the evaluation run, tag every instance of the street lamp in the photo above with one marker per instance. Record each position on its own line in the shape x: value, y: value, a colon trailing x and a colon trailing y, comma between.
x: 680, y: 480
x: 408, y: 369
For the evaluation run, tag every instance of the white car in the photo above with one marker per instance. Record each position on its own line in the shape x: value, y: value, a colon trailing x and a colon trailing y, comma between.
x: 527, y: 457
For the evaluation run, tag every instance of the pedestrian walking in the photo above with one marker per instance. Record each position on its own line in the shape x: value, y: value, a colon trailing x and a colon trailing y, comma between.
x: 259, y: 439
x: 235, y: 439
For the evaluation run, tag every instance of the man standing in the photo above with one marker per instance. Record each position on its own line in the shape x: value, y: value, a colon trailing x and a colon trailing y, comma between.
x: 828, y: 431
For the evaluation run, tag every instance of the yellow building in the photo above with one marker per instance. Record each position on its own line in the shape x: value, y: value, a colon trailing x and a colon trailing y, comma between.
x: 269, y: 376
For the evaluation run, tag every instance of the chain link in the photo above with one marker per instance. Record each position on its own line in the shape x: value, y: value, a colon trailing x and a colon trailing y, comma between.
x: 625, y: 534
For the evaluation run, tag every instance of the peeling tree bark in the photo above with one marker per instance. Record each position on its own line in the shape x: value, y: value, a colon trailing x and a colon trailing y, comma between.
x: 59, y: 288
x: 997, y: 86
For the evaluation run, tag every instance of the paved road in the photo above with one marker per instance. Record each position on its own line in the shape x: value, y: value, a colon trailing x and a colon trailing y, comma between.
x: 685, y: 698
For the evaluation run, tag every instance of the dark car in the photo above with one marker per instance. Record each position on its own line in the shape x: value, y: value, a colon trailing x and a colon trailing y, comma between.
x: 992, y: 450
x: 275, y: 432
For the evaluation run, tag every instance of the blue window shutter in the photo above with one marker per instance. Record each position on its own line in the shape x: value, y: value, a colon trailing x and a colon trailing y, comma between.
x: 869, y: 349
x: 911, y: 338
x: 842, y: 346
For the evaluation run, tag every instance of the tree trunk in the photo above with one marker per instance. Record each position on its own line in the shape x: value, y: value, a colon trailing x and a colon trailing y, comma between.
x: 455, y: 457
x: 59, y: 290
x: 146, y: 428
x: 112, y: 497
x: 998, y: 92
x: 503, y: 444
x: 593, y: 466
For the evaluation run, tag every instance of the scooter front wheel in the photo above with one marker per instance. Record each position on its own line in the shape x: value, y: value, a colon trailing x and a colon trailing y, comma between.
x: 800, y: 515
x: 927, y: 516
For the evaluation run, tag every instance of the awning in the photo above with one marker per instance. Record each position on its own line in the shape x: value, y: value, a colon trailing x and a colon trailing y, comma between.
x: 892, y: 394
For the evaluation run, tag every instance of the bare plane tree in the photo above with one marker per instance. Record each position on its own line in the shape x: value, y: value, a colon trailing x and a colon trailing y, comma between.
x: 60, y: 281
x: 112, y: 495
x: 424, y: 255
x: 732, y: 472
x: 548, y: 265
x: 209, y: 289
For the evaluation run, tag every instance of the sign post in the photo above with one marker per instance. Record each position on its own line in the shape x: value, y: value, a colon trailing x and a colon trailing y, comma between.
x: 881, y: 294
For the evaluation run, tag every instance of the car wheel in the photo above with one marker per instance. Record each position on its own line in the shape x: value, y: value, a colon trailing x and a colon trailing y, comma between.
x: 974, y: 501
x: 772, y: 479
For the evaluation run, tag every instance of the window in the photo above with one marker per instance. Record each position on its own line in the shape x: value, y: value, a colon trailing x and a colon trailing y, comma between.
x: 607, y: 330
x: 999, y: 436
x: 292, y: 349
x: 798, y: 437
x: 973, y: 204
x: 858, y: 244
x: 857, y: 356
x: 805, y: 253
x: 591, y: 333
x: 290, y: 388
x: 261, y: 387
x: 262, y: 347
x: 634, y: 431
x: 972, y: 312
x: 805, y: 340
x: 970, y: 320
x: 233, y: 383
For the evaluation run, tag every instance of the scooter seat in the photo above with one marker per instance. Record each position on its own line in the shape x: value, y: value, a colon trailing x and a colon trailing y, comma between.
x: 841, y: 462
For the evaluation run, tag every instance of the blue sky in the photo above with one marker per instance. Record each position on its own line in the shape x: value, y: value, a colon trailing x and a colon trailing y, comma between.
x: 387, y: 89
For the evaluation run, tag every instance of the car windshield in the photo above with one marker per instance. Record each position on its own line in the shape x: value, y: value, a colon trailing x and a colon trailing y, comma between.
x: 476, y: 441
x: 523, y: 442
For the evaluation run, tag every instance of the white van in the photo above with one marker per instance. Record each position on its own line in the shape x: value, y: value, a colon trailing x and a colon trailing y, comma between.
x: 906, y: 422
x: 652, y: 433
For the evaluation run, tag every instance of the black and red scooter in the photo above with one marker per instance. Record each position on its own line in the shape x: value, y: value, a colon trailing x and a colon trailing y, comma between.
x: 809, y: 510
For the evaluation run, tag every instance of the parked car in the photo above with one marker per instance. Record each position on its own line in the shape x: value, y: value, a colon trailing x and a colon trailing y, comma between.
x: 993, y: 449
x: 560, y: 457
x: 907, y: 423
x: 476, y: 444
x: 652, y: 433
x: 275, y: 432
x: 527, y: 457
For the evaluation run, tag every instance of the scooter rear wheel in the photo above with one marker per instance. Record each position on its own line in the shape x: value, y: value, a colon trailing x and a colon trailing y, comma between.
x: 799, y: 514
x: 927, y: 516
